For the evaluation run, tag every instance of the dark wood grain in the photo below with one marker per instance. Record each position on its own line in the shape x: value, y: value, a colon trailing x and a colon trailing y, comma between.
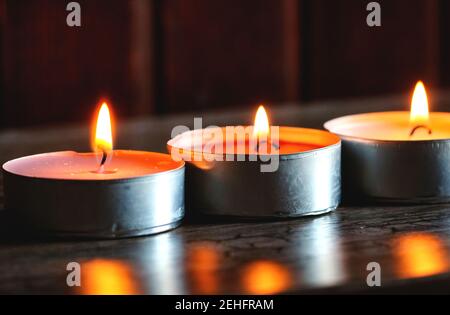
x: 220, y: 53
x: 444, y: 27
x: 153, y: 56
x: 325, y: 254
x: 344, y: 57
x: 56, y: 73
x: 2, y: 65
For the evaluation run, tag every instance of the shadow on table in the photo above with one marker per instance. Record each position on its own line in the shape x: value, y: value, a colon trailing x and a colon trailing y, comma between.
x: 12, y: 233
x: 200, y: 219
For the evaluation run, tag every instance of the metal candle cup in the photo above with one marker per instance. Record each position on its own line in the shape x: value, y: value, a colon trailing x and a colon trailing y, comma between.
x: 105, y: 194
x: 63, y: 194
x: 383, y: 162
x: 306, y: 183
x: 397, y: 157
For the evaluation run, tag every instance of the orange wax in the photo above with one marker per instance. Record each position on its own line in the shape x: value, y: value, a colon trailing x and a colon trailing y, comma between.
x: 390, y: 126
x: 292, y: 147
x: 247, y: 147
x: 214, y: 141
x: 204, y: 147
x: 71, y: 165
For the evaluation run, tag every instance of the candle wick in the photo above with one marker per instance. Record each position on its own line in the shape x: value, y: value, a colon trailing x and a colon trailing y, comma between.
x: 101, y: 168
x: 413, y: 131
x: 274, y: 146
x: 104, y: 157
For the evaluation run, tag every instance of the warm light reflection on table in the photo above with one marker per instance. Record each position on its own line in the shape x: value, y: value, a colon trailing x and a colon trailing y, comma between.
x: 312, y: 257
x: 108, y: 277
x: 203, y: 263
x: 265, y: 277
x: 420, y: 255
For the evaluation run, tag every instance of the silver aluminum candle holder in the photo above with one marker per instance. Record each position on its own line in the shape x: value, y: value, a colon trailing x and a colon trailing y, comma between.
x: 394, y: 171
x: 106, y: 209
x: 306, y: 183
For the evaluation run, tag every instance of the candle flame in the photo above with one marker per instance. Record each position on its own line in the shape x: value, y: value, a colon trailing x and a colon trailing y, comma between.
x: 261, y: 128
x: 103, y: 130
x: 419, y: 105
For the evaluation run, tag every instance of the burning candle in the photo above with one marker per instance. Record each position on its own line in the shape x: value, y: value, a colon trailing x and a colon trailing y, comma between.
x: 260, y: 170
x: 396, y: 156
x: 104, y: 194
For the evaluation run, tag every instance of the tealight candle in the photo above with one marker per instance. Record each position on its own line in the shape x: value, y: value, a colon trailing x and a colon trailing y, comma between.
x: 105, y: 194
x: 260, y: 171
x: 396, y: 156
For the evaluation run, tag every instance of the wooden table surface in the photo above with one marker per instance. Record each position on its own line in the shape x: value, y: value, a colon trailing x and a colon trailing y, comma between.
x: 324, y: 254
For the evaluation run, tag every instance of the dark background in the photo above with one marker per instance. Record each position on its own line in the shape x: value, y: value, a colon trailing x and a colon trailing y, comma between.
x: 153, y: 57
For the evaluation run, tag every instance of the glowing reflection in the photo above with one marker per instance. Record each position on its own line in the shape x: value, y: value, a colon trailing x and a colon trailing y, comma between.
x: 266, y: 277
x: 204, y: 164
x: 107, y: 277
x: 203, y: 262
x: 159, y: 258
x: 320, y: 252
x: 420, y: 255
